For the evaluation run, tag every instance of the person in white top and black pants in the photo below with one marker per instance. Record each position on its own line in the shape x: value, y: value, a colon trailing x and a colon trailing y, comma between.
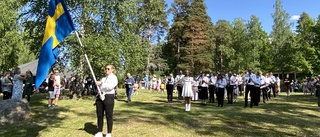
x: 169, y: 86
x: 212, y: 87
x: 178, y: 81
x: 220, y: 85
x: 203, y: 93
x: 255, y: 97
x: 107, y: 86
x: 249, y: 79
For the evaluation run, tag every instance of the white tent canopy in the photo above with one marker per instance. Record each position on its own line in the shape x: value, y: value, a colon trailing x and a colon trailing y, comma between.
x: 32, y: 66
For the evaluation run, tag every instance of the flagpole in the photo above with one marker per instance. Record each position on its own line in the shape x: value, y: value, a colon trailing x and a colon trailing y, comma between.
x: 88, y: 62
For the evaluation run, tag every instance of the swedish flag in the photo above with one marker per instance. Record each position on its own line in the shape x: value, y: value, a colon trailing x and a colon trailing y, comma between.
x: 59, y: 25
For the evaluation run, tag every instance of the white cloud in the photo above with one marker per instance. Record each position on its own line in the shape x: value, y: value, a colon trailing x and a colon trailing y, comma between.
x: 294, y: 17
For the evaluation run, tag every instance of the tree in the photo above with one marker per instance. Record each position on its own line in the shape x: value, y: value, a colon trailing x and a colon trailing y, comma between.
x: 239, y: 44
x: 316, y: 45
x: 196, y: 52
x: 176, y: 33
x: 258, y: 46
x: 14, y: 50
x: 305, y: 38
x: 286, y: 56
x: 224, y: 51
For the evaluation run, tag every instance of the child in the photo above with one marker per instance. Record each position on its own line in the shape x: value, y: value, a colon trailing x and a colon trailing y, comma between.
x: 162, y: 87
x: 51, y: 85
x: 136, y: 89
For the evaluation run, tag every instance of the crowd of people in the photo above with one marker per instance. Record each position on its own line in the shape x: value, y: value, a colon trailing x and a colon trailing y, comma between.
x: 217, y: 87
x: 16, y: 86
x: 204, y: 87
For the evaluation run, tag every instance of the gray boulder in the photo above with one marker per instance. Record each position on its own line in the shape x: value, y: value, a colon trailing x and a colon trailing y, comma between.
x: 12, y: 111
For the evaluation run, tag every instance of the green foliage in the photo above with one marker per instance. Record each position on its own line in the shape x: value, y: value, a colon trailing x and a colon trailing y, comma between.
x: 224, y: 52
x: 188, y: 38
x: 14, y: 48
x: 286, y: 56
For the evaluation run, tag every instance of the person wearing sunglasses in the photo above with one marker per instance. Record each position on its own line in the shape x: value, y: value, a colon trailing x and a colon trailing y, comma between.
x: 107, y: 86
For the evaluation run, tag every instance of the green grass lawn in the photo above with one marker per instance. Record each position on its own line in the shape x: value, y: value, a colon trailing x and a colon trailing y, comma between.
x: 148, y: 115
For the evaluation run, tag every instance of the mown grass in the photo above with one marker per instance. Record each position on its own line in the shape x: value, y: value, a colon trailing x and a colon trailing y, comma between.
x: 149, y: 115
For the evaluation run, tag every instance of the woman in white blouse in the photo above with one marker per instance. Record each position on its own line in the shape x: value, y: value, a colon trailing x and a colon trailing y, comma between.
x: 107, y: 86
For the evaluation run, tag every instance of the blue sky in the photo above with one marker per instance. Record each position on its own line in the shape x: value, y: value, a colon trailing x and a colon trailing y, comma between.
x: 231, y: 9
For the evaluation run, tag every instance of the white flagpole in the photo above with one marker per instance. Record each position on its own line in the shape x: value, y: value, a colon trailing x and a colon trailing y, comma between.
x: 88, y: 62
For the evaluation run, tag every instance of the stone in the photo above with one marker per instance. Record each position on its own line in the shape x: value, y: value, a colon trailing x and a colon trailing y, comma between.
x: 12, y: 111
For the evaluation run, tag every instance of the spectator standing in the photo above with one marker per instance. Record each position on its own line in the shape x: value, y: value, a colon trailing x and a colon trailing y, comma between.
x: 146, y: 82
x: 6, y: 86
x: 28, y: 86
x: 17, y: 84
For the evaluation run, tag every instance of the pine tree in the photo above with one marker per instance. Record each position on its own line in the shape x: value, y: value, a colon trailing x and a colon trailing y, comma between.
x: 196, y: 53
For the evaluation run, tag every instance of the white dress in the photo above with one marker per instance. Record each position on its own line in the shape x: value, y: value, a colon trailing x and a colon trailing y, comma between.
x: 187, y: 83
x: 17, y: 87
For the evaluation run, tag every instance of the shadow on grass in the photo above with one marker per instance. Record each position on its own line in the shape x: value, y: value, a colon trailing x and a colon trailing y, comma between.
x: 89, y: 128
x: 40, y: 119
x: 281, y: 116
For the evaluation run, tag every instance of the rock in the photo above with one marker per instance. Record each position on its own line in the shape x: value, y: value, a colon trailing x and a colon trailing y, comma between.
x: 12, y: 111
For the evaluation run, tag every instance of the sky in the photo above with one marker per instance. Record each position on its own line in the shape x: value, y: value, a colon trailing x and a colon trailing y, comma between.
x: 231, y: 9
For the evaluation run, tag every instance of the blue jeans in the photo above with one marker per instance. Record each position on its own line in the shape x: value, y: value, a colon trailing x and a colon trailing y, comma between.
x: 129, y: 92
x: 146, y: 85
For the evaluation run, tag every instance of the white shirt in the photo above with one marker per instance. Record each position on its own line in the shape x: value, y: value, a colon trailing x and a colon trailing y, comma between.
x: 239, y: 79
x: 213, y: 80
x: 108, y: 84
x: 233, y: 80
x: 171, y: 82
x: 58, y: 80
x: 262, y: 82
x: 257, y: 81
x: 178, y: 79
x: 272, y: 79
x: 267, y: 81
x: 253, y: 78
x: 221, y: 83
x: 203, y: 81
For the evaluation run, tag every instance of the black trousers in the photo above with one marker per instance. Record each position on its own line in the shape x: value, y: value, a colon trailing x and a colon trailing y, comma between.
x: 6, y: 95
x: 230, y: 94
x: 257, y: 94
x: 220, y: 96
x: 264, y: 95
x: 169, y: 92
x: 212, y: 89
x: 179, y: 88
x: 240, y: 90
x: 273, y: 90
x: 251, y: 89
x: 105, y: 106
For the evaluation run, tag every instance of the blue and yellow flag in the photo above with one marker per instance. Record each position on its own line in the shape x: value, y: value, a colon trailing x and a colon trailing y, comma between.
x: 59, y: 25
